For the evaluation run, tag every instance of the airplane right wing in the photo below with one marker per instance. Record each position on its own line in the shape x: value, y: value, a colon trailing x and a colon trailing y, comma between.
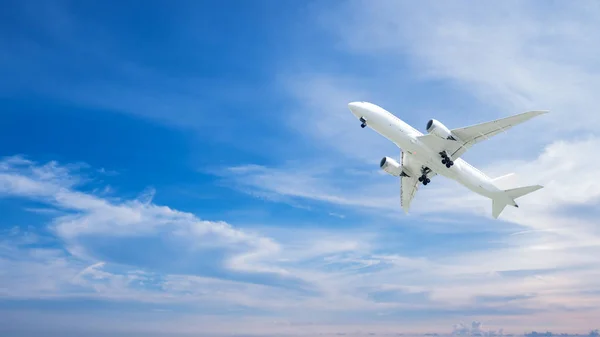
x: 409, y: 180
x: 474, y: 134
x: 471, y: 135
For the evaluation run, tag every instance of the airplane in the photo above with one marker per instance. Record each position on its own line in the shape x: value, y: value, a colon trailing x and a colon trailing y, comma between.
x: 439, y: 152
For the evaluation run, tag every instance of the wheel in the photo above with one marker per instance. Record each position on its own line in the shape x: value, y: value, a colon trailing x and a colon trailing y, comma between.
x: 363, y: 125
x: 448, y: 165
x: 421, y: 179
x: 444, y: 161
x: 427, y: 181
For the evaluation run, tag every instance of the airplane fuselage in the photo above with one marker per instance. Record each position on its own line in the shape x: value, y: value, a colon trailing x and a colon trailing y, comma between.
x: 406, y: 138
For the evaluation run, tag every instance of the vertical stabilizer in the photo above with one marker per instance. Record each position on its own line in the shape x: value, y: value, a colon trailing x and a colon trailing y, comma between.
x: 497, y: 207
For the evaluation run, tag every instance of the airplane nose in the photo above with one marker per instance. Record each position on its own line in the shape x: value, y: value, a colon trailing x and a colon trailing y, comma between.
x: 354, y: 107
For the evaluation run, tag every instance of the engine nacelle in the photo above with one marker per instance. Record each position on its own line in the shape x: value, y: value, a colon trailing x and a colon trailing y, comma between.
x: 391, y: 166
x: 437, y: 128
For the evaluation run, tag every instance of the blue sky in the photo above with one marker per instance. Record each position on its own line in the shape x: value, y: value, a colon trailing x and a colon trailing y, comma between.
x: 192, y: 168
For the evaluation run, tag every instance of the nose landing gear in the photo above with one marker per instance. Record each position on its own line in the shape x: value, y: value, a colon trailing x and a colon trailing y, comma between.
x: 363, y: 121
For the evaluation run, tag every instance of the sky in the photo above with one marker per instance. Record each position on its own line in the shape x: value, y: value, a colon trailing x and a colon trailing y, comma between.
x: 191, y: 168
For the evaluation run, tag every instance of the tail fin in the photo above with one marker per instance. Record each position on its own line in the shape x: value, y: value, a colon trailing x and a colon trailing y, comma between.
x: 498, y: 204
x: 497, y: 207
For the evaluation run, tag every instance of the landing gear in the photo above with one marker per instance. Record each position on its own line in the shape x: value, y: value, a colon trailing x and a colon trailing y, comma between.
x: 423, y: 178
x: 446, y: 160
x: 364, y: 122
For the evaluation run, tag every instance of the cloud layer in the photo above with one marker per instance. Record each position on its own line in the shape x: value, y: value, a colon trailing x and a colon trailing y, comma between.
x: 309, y: 272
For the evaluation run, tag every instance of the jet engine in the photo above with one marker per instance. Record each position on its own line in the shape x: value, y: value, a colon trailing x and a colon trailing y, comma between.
x: 390, y: 166
x: 437, y: 128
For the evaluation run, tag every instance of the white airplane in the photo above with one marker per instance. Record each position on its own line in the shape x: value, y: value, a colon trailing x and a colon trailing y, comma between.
x: 438, y: 152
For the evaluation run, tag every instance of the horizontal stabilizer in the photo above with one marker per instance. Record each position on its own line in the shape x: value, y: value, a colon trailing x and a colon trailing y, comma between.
x: 515, y: 193
x: 498, y: 204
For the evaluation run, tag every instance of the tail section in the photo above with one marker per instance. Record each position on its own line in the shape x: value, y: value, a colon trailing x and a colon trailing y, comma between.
x: 509, y: 196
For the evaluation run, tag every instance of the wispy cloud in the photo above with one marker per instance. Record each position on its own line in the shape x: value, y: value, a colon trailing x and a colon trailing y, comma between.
x: 94, y: 215
x: 83, y: 273
x: 322, y: 272
x: 460, y: 279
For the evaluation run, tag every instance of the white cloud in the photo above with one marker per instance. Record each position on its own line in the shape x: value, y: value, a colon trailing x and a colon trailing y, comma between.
x: 79, y: 273
x: 90, y: 215
x: 567, y: 169
x: 317, y: 183
x: 329, y: 273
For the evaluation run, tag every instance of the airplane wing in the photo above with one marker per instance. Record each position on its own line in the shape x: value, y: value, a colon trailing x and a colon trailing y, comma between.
x: 474, y: 134
x: 471, y: 135
x: 409, y: 181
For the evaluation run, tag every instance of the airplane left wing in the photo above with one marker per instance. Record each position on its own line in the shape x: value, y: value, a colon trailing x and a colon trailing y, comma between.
x: 409, y: 181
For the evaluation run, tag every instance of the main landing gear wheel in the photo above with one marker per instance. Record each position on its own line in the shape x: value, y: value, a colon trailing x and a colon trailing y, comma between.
x: 424, y: 178
x: 364, y: 122
x: 446, y: 160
